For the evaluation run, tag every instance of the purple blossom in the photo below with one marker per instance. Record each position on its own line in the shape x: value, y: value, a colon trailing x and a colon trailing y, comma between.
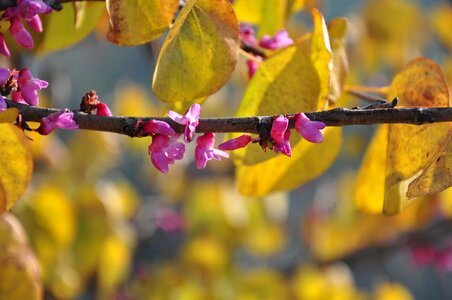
x: 3, y: 48
x: 237, y: 143
x: 190, y: 119
x: 281, y: 135
x: 157, y: 127
x: 4, y: 75
x: 165, y: 150
x: 247, y: 34
x: 205, y: 151
x: 103, y: 110
x: 3, y: 104
x: 28, y: 87
x: 20, y: 34
x: 310, y: 130
x: 60, y: 119
x: 280, y: 40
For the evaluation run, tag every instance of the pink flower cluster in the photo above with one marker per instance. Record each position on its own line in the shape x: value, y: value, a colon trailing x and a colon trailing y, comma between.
x: 425, y: 254
x: 29, y: 11
x: 280, y: 40
x: 165, y: 149
x: 280, y: 134
x: 22, y: 86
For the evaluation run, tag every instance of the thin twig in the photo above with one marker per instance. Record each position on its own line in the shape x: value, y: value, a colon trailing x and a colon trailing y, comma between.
x: 255, y: 124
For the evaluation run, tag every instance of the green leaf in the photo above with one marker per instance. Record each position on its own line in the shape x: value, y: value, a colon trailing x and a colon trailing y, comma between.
x: 135, y: 22
x: 63, y: 29
x: 199, y: 53
x: 16, y: 162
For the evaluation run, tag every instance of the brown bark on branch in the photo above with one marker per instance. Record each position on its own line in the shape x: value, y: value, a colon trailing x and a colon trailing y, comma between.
x: 256, y: 124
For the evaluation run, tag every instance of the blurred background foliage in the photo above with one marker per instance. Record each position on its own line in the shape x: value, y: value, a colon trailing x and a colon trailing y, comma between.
x: 103, y: 224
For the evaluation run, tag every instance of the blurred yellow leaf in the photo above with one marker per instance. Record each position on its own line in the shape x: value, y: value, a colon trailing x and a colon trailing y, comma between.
x: 114, y: 259
x: 442, y: 22
x: 16, y: 163
x: 9, y: 115
x: 2, y: 199
x: 265, y: 284
x: 269, y: 15
x: 206, y: 252
x: 264, y: 240
x: 400, y: 151
x: 199, y: 53
x: 134, y: 22
x: 337, y: 30
x: 61, y: 32
x: 283, y: 173
x: 20, y: 275
x: 392, y: 291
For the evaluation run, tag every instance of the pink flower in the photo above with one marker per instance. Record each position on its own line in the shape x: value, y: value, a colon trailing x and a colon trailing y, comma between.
x: 281, y: 135
x: 443, y: 260
x: 30, y: 8
x: 237, y: 143
x: 20, y: 34
x: 3, y: 104
x: 253, y: 65
x: 29, y: 87
x: 205, y: 151
x: 157, y: 127
x: 3, y: 48
x: 280, y: 40
x: 190, y: 119
x: 4, y: 75
x: 310, y: 130
x: 60, y: 119
x: 247, y: 34
x: 169, y: 220
x: 165, y: 150
x: 103, y: 110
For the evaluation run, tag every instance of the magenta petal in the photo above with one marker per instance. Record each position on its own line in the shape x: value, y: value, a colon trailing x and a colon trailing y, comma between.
x: 310, y: 130
x: 3, y: 48
x: 157, y: 127
x: 280, y: 40
x: 160, y: 161
x: 35, y: 23
x: 239, y: 142
x: 103, y: 110
x: 278, y: 129
x: 176, y: 117
x: 20, y: 34
x: 164, y: 151
x: 60, y: 119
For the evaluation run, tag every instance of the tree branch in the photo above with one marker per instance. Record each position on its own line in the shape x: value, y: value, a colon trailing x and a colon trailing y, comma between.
x: 4, y: 4
x: 257, y: 124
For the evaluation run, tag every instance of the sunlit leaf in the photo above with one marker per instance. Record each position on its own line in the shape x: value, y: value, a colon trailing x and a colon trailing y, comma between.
x: 20, y: 275
x: 400, y: 152
x: 199, y: 53
x: 279, y: 173
x: 269, y: 15
x: 60, y: 30
x: 9, y: 115
x: 437, y: 176
x: 16, y: 163
x: 134, y: 22
x: 207, y: 253
x: 321, y: 57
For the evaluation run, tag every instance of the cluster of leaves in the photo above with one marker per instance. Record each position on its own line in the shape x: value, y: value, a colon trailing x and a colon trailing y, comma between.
x: 89, y: 234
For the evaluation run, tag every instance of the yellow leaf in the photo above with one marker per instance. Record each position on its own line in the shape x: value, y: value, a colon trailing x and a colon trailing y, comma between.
x: 283, y: 173
x: 206, y: 252
x: 9, y: 115
x: 437, y: 176
x: 2, y: 199
x: 199, y: 53
x: 370, y: 183
x: 337, y: 30
x: 16, y: 163
x: 135, y: 22
x: 400, y: 152
x: 392, y: 291
x: 321, y: 57
x: 20, y: 275
x: 442, y: 22
x: 60, y: 31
